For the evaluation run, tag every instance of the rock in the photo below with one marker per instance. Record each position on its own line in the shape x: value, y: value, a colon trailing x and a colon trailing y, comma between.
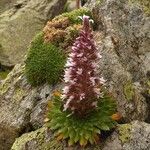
x: 19, y: 104
x: 20, y: 24
x: 70, y: 5
x: 123, y: 38
x: 43, y: 139
x: 133, y: 136
x: 6, y: 4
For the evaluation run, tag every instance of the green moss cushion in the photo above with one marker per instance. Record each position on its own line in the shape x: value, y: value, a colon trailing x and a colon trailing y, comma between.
x: 44, y: 62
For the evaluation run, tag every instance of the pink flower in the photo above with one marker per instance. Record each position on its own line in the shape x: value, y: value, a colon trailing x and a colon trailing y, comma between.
x: 102, y: 80
x: 81, y: 78
x: 79, y: 71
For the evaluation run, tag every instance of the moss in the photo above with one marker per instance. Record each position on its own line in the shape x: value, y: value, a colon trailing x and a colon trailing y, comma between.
x: 125, y: 132
x: 60, y: 32
x: 44, y: 62
x: 144, y: 3
x: 73, y: 15
x: 129, y: 90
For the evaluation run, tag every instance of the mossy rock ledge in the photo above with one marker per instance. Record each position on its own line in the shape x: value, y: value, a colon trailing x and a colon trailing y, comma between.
x: 133, y: 136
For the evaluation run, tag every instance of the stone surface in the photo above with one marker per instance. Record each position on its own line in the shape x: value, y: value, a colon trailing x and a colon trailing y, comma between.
x: 133, y: 136
x: 6, y: 4
x: 123, y: 38
x: 41, y: 139
x: 71, y: 5
x: 22, y: 107
x: 19, y: 24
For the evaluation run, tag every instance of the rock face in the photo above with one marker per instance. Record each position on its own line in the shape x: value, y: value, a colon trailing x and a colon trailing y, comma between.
x: 133, y: 136
x: 22, y: 108
x: 41, y: 139
x: 6, y: 4
x: 23, y: 21
x: 123, y: 38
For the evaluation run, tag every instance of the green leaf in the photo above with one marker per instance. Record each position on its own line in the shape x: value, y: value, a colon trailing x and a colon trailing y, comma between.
x: 77, y: 137
x: 104, y: 127
x: 88, y: 134
x: 70, y: 142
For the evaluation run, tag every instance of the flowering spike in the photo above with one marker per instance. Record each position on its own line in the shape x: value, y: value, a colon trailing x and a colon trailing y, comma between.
x: 86, y: 23
x: 82, y: 82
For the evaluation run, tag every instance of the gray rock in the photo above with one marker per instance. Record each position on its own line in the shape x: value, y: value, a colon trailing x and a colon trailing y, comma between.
x: 123, y: 40
x: 6, y: 4
x: 41, y: 139
x: 70, y: 5
x: 20, y: 24
x: 22, y: 107
x: 133, y: 136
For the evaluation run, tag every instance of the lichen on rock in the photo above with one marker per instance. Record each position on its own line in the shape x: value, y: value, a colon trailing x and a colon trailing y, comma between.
x: 129, y: 90
x: 124, y: 132
x: 41, y: 139
x: 144, y: 3
x: 135, y: 136
x: 19, y: 101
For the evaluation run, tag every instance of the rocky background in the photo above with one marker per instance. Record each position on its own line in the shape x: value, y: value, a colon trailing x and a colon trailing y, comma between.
x: 122, y: 35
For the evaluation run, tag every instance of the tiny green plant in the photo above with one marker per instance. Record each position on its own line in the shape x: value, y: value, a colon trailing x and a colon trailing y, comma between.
x: 44, y: 63
x: 73, y: 15
x: 83, y: 108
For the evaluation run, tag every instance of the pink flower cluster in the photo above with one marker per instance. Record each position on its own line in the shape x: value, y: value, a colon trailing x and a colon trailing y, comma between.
x: 82, y: 82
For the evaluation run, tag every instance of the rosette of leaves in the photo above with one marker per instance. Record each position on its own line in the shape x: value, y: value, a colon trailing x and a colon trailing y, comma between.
x: 81, y: 130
